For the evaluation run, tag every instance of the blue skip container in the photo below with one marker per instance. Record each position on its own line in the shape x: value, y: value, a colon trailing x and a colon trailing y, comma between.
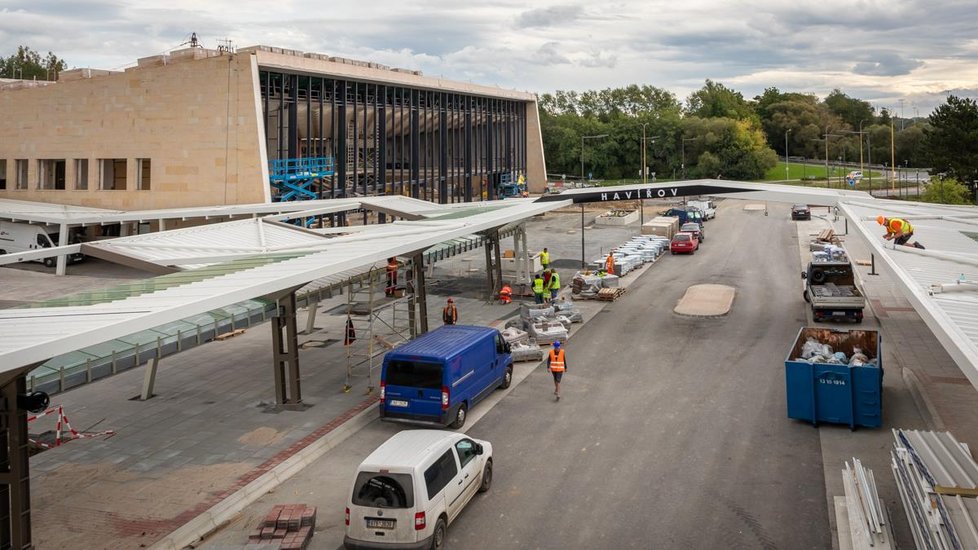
x: 838, y: 394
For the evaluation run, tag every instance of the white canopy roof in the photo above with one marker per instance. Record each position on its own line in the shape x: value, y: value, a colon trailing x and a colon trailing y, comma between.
x: 950, y: 234
x: 33, y: 335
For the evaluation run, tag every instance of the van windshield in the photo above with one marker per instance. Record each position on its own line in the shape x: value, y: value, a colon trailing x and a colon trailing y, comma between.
x: 383, y: 490
x: 414, y: 374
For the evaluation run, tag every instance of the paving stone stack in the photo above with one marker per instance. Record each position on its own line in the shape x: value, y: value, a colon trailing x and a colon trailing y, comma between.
x: 285, y: 527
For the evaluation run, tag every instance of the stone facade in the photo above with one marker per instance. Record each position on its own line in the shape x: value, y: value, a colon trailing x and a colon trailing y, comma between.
x: 178, y: 130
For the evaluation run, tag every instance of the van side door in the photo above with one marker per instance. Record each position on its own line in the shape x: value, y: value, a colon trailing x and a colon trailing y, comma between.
x: 469, y: 469
x: 441, y: 482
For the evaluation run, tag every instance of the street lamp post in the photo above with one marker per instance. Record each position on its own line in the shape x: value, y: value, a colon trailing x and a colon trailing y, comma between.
x: 583, y: 263
x: 788, y: 131
x: 683, y: 165
x: 645, y: 173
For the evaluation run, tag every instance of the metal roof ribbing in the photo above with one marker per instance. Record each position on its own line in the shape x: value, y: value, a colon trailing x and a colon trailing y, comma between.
x: 33, y: 335
x: 950, y: 254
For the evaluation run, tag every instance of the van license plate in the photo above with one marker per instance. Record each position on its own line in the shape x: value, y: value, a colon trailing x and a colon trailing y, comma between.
x: 398, y: 403
x: 374, y: 523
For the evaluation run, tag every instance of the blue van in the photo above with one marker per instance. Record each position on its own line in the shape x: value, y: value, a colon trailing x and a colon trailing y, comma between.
x: 437, y: 377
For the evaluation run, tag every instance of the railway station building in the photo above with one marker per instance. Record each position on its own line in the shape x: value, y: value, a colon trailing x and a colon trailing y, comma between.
x: 199, y: 127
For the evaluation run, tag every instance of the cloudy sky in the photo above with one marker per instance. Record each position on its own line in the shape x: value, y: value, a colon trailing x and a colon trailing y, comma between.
x: 883, y: 51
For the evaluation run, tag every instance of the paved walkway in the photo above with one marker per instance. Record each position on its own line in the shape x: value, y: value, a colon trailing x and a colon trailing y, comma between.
x: 212, y: 428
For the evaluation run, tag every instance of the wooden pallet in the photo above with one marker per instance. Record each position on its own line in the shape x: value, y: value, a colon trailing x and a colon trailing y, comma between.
x: 828, y: 236
x: 610, y: 294
x: 231, y: 334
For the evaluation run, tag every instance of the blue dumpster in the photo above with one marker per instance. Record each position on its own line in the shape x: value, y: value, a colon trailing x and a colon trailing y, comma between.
x: 836, y: 393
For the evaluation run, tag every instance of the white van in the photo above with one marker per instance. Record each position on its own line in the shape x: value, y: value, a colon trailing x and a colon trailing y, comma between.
x: 707, y: 206
x: 409, y: 490
x: 24, y: 237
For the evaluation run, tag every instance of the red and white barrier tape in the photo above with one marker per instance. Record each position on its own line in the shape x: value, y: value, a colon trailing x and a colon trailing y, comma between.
x: 61, y: 425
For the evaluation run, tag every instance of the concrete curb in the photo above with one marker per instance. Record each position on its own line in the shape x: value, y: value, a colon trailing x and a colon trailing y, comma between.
x: 222, y: 512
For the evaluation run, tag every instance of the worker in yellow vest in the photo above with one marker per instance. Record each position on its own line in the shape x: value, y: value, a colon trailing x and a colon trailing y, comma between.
x: 897, y: 230
x: 557, y: 364
x: 545, y: 259
x: 554, y: 284
x: 538, y: 288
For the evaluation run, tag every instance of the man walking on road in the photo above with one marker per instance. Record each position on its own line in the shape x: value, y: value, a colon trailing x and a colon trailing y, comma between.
x: 545, y: 259
x: 450, y: 314
x: 556, y: 364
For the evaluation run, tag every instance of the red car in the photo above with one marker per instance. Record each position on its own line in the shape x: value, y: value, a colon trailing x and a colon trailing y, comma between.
x: 684, y: 242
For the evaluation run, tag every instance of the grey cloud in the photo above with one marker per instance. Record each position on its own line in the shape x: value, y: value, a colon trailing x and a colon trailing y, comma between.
x: 599, y: 60
x: 547, y: 17
x: 886, y: 64
x: 549, y: 54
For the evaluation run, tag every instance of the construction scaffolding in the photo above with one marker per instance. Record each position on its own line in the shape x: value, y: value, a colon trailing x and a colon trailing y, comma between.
x: 379, y: 318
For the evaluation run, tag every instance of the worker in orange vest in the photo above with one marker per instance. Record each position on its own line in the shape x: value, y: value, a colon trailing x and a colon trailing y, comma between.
x: 557, y: 364
x: 609, y: 263
x: 897, y: 230
x: 506, y: 294
x: 450, y: 314
x: 391, y: 276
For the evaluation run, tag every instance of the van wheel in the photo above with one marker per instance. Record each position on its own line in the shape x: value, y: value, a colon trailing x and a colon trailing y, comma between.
x: 49, y: 262
x: 438, y: 539
x: 2, y: 251
x: 459, y: 417
x: 507, y: 378
x: 804, y: 294
x: 486, y: 477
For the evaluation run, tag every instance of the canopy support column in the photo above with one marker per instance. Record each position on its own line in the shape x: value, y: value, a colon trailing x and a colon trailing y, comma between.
x: 15, y: 490
x: 285, y: 343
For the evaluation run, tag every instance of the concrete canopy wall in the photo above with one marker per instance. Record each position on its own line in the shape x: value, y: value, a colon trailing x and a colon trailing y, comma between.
x: 195, y: 118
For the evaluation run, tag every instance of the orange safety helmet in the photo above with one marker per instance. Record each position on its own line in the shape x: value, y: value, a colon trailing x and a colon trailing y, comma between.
x: 881, y: 220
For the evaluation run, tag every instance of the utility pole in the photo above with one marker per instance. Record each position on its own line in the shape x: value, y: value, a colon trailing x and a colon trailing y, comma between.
x: 892, y: 154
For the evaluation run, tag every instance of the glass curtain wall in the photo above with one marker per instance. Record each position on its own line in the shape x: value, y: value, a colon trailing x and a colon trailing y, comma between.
x: 394, y: 140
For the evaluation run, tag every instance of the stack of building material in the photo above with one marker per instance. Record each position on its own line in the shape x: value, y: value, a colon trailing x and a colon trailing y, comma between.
x: 869, y: 525
x: 610, y: 294
x: 530, y: 351
x: 287, y: 527
x: 513, y: 335
x: 566, y: 308
x: 938, y: 481
x: 547, y: 330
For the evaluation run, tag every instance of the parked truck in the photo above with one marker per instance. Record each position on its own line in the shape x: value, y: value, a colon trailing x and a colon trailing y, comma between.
x: 830, y: 288
x: 24, y: 237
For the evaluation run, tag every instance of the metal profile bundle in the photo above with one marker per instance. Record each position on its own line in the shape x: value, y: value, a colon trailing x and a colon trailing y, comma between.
x: 869, y: 526
x: 938, y: 483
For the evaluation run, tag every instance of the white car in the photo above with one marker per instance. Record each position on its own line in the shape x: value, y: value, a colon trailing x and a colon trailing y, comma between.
x: 409, y: 490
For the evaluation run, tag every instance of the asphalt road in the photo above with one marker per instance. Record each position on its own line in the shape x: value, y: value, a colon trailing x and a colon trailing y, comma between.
x: 671, y: 432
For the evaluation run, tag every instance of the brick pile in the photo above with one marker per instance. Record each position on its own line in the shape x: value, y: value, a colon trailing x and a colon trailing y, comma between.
x: 285, y: 527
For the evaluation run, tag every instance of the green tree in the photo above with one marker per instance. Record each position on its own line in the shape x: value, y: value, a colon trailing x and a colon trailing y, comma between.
x: 716, y: 100
x: 27, y: 64
x: 950, y: 143
x: 946, y: 191
x: 849, y: 109
x: 737, y: 149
